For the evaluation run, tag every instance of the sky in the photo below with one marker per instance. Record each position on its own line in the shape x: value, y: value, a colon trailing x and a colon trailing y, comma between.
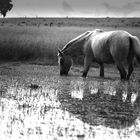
x: 75, y: 8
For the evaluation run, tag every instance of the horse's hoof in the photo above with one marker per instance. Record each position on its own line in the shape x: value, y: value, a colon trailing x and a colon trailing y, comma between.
x: 102, y: 76
x: 84, y: 75
x: 124, y: 79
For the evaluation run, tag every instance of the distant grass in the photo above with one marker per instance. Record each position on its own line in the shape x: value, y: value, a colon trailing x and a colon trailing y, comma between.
x: 33, y: 43
x: 39, y: 44
x: 82, y: 22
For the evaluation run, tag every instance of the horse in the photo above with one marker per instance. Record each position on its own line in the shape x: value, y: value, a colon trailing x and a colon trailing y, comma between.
x: 102, y: 47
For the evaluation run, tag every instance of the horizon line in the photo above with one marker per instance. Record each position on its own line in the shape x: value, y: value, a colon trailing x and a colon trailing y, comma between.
x: 66, y: 17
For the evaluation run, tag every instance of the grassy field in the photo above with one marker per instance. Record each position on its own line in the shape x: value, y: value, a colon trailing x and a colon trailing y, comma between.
x: 37, y: 39
x: 37, y: 103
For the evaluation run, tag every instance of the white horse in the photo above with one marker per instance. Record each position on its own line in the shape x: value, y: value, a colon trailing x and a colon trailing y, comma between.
x: 101, y: 47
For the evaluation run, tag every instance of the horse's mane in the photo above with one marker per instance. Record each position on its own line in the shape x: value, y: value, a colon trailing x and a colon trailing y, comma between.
x: 80, y: 37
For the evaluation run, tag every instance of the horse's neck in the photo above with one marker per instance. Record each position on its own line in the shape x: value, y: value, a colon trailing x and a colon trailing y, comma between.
x: 74, y: 49
x: 76, y: 46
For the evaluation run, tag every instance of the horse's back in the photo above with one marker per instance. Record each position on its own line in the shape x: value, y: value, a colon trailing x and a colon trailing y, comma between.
x: 120, y: 45
x: 110, y: 46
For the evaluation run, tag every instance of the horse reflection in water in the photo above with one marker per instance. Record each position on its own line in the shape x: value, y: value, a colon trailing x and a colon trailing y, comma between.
x: 115, y: 108
x: 101, y: 47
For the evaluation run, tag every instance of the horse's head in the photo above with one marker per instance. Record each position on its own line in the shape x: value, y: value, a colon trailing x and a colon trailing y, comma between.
x: 64, y: 62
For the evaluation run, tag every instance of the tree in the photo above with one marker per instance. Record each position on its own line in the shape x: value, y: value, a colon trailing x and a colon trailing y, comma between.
x: 5, y: 6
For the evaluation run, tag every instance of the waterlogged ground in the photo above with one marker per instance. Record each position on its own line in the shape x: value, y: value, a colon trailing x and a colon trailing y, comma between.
x: 36, y: 103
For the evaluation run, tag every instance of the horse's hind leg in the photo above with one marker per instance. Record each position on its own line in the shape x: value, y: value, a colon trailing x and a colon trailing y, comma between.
x: 130, y: 66
x: 130, y: 70
x: 121, y: 70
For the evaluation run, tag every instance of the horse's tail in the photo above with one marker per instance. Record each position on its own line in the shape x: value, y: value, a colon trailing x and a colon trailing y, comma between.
x: 135, y: 44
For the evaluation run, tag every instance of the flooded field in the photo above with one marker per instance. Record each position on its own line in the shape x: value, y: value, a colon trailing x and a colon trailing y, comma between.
x: 36, y: 103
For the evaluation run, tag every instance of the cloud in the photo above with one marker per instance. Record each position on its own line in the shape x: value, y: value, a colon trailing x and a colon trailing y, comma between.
x: 101, y: 8
x: 73, y: 8
x: 126, y: 9
x: 66, y: 7
x: 132, y: 6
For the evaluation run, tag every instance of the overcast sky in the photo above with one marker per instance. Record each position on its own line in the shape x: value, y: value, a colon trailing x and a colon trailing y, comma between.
x: 75, y: 8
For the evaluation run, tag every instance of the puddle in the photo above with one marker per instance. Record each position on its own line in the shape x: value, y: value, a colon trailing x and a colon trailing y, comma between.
x: 68, y: 108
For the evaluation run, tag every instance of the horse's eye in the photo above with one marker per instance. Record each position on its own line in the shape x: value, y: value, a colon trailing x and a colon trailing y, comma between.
x: 58, y: 55
x: 61, y: 61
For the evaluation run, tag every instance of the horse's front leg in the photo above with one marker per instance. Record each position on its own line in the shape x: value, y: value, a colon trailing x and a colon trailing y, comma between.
x: 101, y: 70
x: 87, y: 63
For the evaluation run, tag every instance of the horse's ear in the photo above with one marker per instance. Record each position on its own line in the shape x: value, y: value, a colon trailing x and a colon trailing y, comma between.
x: 60, y: 52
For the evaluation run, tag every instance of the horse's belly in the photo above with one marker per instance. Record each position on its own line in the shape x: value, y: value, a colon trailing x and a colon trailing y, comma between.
x: 103, y: 55
x: 103, y: 58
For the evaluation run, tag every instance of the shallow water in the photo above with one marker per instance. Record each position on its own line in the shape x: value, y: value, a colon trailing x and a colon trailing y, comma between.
x: 36, y: 103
